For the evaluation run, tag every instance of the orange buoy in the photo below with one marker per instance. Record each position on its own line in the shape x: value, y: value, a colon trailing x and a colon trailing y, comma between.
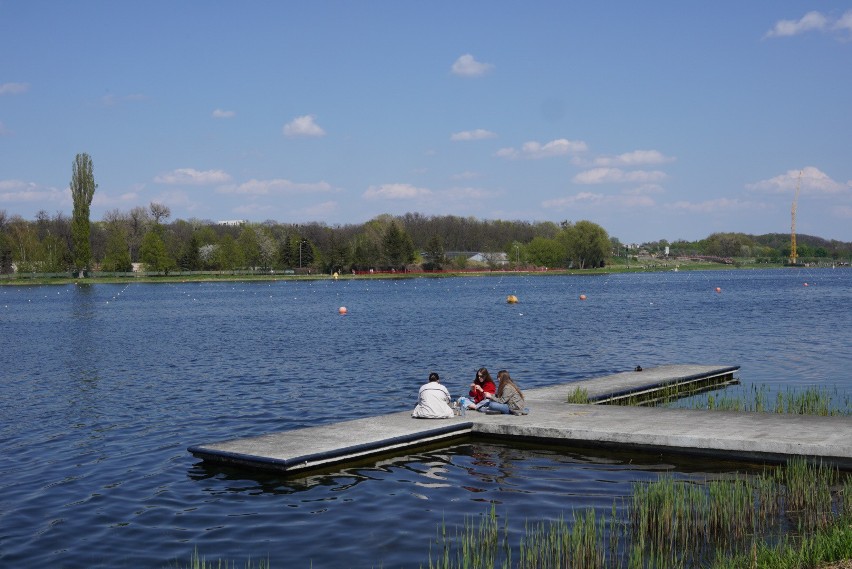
x: 718, y: 289
x: 512, y: 299
x: 806, y: 284
x: 582, y: 297
x: 342, y: 310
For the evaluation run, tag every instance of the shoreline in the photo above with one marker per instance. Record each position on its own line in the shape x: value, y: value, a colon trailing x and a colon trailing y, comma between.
x: 233, y: 276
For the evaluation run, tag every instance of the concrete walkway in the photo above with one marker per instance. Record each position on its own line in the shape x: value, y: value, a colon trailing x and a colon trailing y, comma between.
x: 761, y: 437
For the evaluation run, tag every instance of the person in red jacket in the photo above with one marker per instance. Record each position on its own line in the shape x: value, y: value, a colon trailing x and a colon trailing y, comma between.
x: 481, y: 385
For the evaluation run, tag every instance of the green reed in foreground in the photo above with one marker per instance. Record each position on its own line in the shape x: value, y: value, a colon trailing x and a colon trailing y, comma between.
x: 679, y: 523
x: 808, y: 401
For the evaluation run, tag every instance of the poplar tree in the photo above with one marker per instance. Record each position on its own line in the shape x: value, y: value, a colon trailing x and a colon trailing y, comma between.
x: 83, y: 188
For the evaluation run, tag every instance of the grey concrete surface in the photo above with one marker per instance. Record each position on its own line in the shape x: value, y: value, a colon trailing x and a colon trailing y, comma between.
x: 746, y: 436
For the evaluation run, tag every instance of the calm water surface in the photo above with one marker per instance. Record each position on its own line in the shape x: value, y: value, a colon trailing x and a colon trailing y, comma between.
x: 105, y: 386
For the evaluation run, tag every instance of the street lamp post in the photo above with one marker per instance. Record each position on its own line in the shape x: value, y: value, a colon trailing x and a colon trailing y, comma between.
x: 300, y: 253
x: 518, y: 255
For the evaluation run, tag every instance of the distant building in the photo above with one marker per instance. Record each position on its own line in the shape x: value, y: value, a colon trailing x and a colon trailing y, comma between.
x: 232, y: 222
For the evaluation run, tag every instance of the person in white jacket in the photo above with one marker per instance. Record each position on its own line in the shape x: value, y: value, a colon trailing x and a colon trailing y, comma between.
x: 433, y: 400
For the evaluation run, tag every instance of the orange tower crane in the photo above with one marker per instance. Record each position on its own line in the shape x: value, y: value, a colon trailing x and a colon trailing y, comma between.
x: 793, y: 254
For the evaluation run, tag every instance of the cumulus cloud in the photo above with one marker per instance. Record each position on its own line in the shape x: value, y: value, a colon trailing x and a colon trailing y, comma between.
x: 14, y: 88
x: 812, y: 22
x: 635, y: 158
x: 467, y: 66
x: 618, y: 176
x: 223, y: 114
x: 304, y: 126
x: 275, y: 186
x: 813, y: 181
x: 535, y: 150
x: 591, y: 199
x: 193, y: 177
x: 396, y: 192
x: 478, y: 134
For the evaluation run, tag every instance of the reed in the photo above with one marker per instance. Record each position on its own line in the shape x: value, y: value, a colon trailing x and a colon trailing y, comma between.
x: 808, y: 401
x: 680, y: 523
x: 579, y: 396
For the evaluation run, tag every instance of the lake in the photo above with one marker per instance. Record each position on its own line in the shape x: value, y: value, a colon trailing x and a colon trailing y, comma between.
x: 105, y: 386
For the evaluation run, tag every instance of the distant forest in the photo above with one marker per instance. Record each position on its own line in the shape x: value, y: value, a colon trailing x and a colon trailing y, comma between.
x: 145, y: 235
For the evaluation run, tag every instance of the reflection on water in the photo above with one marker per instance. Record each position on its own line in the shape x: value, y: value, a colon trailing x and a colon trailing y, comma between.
x: 105, y: 386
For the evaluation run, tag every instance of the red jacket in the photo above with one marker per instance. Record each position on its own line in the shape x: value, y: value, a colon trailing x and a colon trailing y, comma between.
x: 478, y: 396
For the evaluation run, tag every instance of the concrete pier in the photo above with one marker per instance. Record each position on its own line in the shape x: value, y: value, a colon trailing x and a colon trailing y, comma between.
x: 760, y: 437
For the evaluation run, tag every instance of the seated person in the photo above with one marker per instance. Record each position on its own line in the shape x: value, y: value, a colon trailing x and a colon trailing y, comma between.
x: 508, y: 399
x: 481, y: 385
x: 433, y: 400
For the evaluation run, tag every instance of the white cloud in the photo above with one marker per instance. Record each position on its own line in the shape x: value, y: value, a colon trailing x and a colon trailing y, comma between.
x: 844, y: 24
x: 812, y: 22
x: 813, y: 181
x: 275, y: 186
x: 396, y: 192
x: 478, y: 134
x: 590, y: 199
x: 535, y: 150
x: 467, y: 66
x: 635, y: 158
x: 193, y: 177
x: 303, y: 126
x: 14, y: 88
x: 14, y: 191
x: 618, y: 176
x: 223, y: 114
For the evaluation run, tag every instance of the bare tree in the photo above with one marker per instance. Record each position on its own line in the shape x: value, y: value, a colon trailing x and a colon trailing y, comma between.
x: 159, y: 212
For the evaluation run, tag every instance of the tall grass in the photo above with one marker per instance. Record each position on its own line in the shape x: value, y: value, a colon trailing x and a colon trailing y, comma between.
x: 808, y: 401
x: 679, y: 523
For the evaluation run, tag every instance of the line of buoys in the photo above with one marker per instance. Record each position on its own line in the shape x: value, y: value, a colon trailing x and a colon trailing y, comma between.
x: 512, y: 299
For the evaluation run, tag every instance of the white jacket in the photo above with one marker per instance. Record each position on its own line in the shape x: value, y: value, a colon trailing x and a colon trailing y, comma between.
x: 433, y: 402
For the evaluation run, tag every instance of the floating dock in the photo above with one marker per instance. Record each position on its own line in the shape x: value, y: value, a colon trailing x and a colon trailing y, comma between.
x: 758, y: 437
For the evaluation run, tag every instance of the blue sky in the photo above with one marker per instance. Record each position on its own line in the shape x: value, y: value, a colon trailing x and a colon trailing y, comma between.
x: 657, y: 120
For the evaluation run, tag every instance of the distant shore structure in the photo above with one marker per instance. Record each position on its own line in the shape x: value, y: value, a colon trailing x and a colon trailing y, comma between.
x: 232, y: 222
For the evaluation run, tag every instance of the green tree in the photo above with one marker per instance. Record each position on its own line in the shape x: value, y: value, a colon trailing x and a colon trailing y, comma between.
x: 544, y: 252
x: 190, y: 256
x: 587, y: 244
x: 397, y: 247
x: 285, y: 253
x: 83, y: 188
x: 434, y: 254
x: 249, y: 247
x: 153, y: 252
x: 117, y: 254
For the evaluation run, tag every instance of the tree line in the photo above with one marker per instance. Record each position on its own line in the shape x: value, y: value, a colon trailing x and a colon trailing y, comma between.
x: 145, y: 235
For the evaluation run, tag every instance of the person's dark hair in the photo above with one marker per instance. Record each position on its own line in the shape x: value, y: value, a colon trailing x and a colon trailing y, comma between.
x: 505, y: 380
x: 434, y: 377
x: 483, y: 375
